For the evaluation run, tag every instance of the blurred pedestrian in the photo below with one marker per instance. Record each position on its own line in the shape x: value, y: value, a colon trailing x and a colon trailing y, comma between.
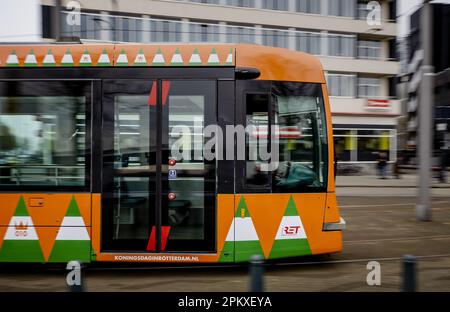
x: 382, y: 165
x: 443, y: 166
x: 396, y: 171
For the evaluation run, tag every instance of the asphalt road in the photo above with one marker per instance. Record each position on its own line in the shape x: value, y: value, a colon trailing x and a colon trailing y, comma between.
x: 380, y: 227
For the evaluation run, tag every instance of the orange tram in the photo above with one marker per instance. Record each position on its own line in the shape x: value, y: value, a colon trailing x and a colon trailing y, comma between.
x: 143, y: 153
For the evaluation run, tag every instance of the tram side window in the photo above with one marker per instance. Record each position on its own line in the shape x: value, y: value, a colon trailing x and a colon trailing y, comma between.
x: 302, y: 144
x: 43, y: 134
x: 256, y: 142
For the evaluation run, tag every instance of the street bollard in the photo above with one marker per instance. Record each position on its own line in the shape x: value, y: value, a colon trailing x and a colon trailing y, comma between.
x: 409, y: 273
x: 74, y: 278
x: 256, y: 274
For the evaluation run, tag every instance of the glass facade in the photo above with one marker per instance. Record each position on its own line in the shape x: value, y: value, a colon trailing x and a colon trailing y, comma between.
x: 275, y: 38
x: 309, y: 42
x: 361, y: 145
x: 341, y: 84
x: 308, y: 6
x: 341, y: 45
x: 239, y: 34
x: 369, y: 49
x: 141, y: 29
x: 369, y: 87
x: 203, y: 33
x: 346, y: 8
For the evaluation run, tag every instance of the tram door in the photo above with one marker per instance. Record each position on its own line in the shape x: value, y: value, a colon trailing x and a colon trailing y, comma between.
x: 158, y: 189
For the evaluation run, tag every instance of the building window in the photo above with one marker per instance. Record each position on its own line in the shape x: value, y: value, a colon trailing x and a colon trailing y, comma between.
x: 165, y: 31
x: 369, y: 49
x: 206, y: 1
x: 275, y: 38
x: 241, y: 3
x: 43, y: 136
x: 369, y: 87
x: 344, y: 142
x: 341, y: 8
x: 280, y: 5
x: 236, y: 34
x: 308, y: 42
x: 203, y: 32
x: 373, y: 142
x: 308, y: 6
x: 341, y: 85
x: 340, y: 45
x: 363, y: 144
x: 363, y: 12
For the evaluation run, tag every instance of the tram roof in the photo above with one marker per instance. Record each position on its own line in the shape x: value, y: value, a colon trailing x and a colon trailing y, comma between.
x: 273, y: 63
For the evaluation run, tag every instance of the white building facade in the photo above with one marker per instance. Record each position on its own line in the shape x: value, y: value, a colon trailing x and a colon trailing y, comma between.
x: 359, y: 59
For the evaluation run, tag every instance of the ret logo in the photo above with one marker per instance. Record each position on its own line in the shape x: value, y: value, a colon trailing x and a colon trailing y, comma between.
x: 291, y: 230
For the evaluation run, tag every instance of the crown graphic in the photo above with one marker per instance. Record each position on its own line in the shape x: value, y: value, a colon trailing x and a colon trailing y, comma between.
x: 21, y: 226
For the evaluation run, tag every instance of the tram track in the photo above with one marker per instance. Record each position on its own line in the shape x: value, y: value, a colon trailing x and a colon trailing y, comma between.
x: 396, y: 239
x: 387, y: 205
x: 270, y: 264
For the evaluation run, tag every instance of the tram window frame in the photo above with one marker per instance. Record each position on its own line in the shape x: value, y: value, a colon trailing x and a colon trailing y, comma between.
x: 320, y: 154
x: 88, y: 91
x: 267, y: 186
x: 269, y: 87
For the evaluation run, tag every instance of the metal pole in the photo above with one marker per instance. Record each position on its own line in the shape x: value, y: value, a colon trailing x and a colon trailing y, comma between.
x: 114, y: 7
x: 57, y: 20
x: 425, y: 111
x: 256, y: 274
x: 409, y: 273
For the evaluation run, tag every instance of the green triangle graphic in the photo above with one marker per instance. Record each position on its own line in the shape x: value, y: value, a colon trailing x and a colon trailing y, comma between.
x: 104, y: 62
x: 21, y: 251
x: 291, y: 209
x: 162, y: 60
x: 121, y: 62
x: 142, y: 62
x: 67, y: 250
x: 283, y: 248
x: 198, y: 62
x: 73, y: 210
x: 246, y: 249
x: 71, y: 59
x: 49, y: 52
x: 21, y: 210
x: 30, y: 64
x: 230, y: 54
x: 176, y: 62
x: 227, y: 252
x: 15, y: 63
x: 242, y: 205
x: 213, y: 62
x: 86, y: 52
